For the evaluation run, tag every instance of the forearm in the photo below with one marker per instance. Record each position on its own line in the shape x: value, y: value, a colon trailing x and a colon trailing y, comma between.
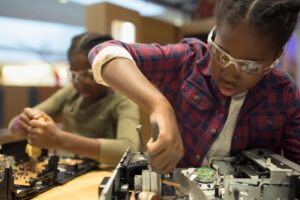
x: 103, y: 150
x: 84, y: 146
x: 109, y: 153
x: 123, y: 75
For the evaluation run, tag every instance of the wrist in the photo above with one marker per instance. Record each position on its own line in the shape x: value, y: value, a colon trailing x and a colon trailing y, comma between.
x: 59, y: 142
x: 164, y: 110
x: 161, y: 104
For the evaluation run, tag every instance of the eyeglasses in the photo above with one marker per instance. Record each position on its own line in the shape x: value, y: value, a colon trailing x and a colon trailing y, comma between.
x: 243, y: 66
x: 84, y: 76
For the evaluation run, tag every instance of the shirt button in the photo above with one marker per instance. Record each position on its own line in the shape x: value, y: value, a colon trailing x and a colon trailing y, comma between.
x: 223, y: 102
x: 270, y: 122
x: 196, y: 97
x: 197, y: 157
x: 213, y: 131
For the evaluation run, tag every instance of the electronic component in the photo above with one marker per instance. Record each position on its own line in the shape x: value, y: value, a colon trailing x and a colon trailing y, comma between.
x: 253, y: 174
x: 18, y: 181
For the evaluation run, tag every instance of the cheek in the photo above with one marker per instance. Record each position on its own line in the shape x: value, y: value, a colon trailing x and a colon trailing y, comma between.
x: 246, y: 82
x: 215, y: 69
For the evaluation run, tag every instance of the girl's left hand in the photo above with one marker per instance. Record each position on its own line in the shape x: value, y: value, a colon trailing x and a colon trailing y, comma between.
x: 43, y: 131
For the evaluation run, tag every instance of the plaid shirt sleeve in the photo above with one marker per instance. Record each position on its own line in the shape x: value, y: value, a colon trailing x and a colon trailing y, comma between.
x: 159, y: 64
x: 291, y: 138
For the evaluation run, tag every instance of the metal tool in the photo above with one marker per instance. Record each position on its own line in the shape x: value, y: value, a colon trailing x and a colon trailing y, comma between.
x: 154, y: 134
x: 139, y: 131
x: 154, y: 131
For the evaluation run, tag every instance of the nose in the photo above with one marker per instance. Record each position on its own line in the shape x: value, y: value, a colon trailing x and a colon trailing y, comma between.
x: 230, y: 73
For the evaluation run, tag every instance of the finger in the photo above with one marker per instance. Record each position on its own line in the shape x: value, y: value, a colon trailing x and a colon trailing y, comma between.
x: 30, y: 112
x: 36, y: 123
x: 23, y: 126
x: 24, y: 118
x: 42, y: 116
x: 165, y: 169
x: 162, y: 164
x: 35, y: 131
x: 155, y: 148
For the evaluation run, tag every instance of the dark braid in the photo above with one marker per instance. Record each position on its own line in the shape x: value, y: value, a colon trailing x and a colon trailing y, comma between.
x: 274, y: 19
x: 84, y: 42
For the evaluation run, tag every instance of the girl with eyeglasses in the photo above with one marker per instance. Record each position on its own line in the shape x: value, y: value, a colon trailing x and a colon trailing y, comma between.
x: 94, y: 119
x: 214, y: 99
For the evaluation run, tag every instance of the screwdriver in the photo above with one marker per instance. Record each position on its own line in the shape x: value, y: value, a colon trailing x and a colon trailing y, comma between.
x: 32, y: 151
x: 154, y: 135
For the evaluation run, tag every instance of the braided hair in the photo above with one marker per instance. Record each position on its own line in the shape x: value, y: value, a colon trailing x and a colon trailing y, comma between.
x: 84, y: 42
x: 274, y: 19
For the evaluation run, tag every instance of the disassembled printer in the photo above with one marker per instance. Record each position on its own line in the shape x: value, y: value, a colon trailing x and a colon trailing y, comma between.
x: 19, y: 181
x: 254, y: 174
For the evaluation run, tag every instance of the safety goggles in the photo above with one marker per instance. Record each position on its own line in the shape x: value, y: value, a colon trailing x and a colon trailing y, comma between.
x: 243, y: 66
x: 83, y: 76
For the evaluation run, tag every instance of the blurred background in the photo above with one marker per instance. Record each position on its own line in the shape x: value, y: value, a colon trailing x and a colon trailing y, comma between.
x: 35, y: 35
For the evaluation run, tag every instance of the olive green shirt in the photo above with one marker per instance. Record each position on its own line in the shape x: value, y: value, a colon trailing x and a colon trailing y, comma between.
x: 112, y: 119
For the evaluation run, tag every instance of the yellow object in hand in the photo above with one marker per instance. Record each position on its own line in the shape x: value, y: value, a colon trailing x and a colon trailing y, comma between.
x: 32, y: 151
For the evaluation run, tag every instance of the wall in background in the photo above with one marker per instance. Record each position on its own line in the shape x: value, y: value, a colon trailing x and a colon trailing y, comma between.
x: 14, y: 99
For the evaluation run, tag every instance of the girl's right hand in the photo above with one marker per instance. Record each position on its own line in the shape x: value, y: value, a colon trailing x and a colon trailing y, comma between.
x: 168, y: 149
x: 21, y: 124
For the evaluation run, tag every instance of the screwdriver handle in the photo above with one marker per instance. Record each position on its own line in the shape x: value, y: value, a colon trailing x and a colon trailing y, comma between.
x: 154, y: 135
x: 154, y: 131
x: 32, y: 151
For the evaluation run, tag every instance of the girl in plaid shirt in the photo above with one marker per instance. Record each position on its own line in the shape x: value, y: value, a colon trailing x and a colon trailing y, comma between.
x: 214, y: 99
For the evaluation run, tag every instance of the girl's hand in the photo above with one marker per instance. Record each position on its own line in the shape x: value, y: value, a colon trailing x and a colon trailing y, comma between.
x: 43, y: 131
x: 21, y: 123
x: 168, y: 149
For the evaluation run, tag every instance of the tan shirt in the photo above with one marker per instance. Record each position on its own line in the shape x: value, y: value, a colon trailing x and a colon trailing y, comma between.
x: 113, y: 119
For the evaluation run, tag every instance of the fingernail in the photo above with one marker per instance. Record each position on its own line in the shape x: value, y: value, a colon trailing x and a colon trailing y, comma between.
x: 37, y: 115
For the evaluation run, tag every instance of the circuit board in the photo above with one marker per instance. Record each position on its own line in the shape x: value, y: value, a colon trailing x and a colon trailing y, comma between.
x: 26, y: 179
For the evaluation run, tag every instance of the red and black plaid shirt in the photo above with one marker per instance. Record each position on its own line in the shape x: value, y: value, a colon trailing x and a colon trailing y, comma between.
x: 269, y: 117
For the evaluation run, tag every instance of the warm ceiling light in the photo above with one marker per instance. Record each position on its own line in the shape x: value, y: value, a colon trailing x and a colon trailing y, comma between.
x: 63, y: 1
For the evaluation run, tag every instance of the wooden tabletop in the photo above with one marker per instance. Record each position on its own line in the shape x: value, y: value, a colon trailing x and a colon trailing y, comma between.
x: 7, y: 137
x: 84, y: 187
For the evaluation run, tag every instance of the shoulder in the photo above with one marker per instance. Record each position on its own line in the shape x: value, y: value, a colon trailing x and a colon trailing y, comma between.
x: 282, y: 84
x: 196, y: 44
x: 277, y: 78
x: 193, y: 41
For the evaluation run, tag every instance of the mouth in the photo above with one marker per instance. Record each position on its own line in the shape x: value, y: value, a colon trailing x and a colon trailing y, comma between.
x: 227, y: 91
x: 226, y: 88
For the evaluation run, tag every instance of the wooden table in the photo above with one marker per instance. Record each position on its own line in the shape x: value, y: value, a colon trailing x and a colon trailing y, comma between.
x: 7, y: 137
x: 84, y: 187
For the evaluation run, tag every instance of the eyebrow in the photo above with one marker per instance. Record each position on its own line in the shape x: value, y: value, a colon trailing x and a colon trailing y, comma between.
x: 223, y: 49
